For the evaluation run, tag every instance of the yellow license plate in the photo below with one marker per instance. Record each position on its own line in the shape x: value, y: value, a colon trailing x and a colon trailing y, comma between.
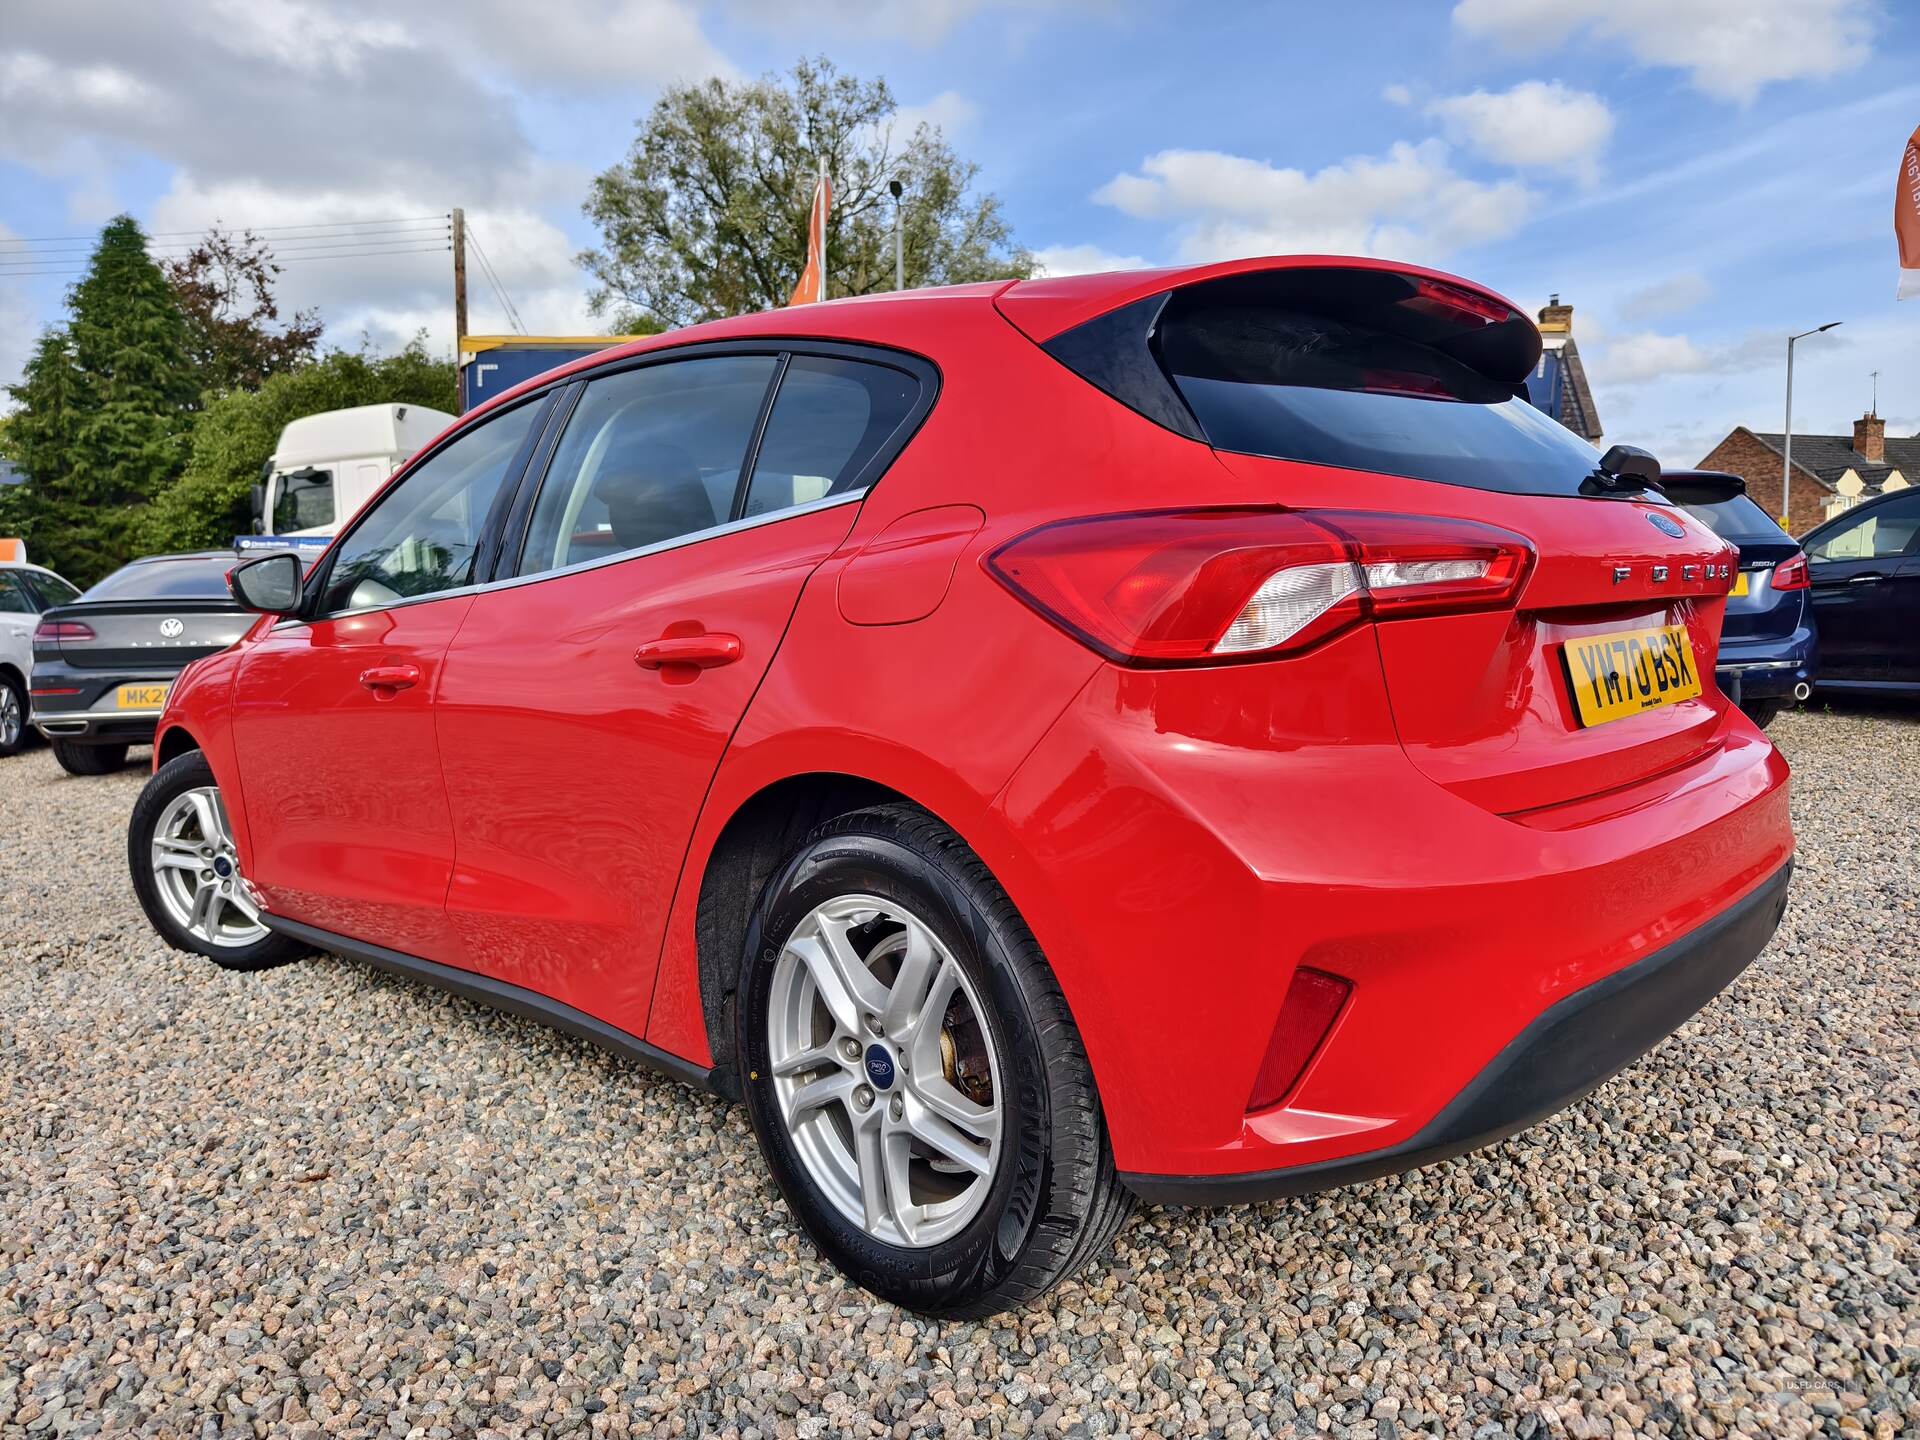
x: 1740, y: 583
x: 1622, y: 673
x: 141, y: 697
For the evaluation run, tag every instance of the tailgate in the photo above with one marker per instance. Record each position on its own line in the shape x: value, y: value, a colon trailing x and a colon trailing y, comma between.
x: 1483, y: 702
x: 147, y: 635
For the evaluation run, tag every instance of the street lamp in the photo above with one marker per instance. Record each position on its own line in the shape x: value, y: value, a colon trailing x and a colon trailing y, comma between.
x: 899, y: 248
x: 1786, y: 461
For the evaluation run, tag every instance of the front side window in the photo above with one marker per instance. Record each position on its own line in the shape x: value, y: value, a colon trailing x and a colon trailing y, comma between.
x: 13, y: 596
x: 829, y: 419
x: 649, y: 455
x: 304, y: 501
x: 1882, y: 533
x: 422, y: 537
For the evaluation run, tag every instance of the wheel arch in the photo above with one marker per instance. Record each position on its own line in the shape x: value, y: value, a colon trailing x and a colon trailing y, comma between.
x: 173, y: 742
x: 757, y: 836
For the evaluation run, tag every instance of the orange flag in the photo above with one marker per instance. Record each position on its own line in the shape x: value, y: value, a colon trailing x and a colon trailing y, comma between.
x: 1906, y: 219
x: 813, y: 279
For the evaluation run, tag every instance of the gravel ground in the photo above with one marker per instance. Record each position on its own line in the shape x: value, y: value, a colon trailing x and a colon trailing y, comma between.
x: 323, y: 1201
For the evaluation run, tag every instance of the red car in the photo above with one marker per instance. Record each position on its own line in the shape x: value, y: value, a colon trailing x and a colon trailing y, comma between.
x: 1187, y: 735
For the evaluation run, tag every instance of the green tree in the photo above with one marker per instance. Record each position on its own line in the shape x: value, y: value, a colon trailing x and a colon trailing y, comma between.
x: 224, y: 288
x: 237, y: 432
x: 707, y: 215
x: 104, y: 409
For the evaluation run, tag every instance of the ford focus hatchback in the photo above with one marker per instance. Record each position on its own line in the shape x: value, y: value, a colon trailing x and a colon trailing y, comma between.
x: 1189, y: 735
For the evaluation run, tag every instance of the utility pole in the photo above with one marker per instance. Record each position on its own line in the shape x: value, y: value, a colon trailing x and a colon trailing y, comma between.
x: 459, y: 278
x: 1786, y: 459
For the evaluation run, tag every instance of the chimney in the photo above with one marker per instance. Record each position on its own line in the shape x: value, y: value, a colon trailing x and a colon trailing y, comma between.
x: 1870, y: 438
x: 1555, y: 318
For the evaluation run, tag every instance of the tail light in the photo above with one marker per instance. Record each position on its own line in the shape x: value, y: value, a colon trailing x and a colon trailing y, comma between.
x: 53, y: 632
x: 1202, y: 587
x: 1791, y: 574
x: 1314, y: 1001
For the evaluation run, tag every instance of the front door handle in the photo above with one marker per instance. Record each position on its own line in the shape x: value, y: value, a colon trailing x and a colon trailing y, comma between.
x: 390, y: 677
x: 704, y: 650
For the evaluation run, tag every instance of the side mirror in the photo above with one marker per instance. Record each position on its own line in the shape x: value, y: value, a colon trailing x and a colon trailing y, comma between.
x: 270, y: 584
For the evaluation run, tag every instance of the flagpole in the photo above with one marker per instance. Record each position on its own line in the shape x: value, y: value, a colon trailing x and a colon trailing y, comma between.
x: 820, y: 194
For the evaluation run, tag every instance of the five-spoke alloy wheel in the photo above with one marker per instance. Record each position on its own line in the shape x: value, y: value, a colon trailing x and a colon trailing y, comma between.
x: 913, y: 1074
x: 186, y: 870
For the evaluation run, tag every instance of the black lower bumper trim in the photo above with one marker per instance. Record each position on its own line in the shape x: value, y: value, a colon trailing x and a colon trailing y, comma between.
x: 498, y: 994
x: 1568, y: 1050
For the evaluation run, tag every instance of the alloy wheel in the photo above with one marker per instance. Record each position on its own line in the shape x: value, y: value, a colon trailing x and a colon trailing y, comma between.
x: 884, y: 1071
x: 197, y: 871
x: 12, y: 721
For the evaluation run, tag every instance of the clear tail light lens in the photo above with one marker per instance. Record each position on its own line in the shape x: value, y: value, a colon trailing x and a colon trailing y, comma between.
x: 1206, y: 586
x: 1791, y: 574
x: 52, y: 632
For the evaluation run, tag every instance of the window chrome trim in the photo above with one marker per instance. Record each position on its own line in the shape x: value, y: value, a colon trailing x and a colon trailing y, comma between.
x: 679, y: 542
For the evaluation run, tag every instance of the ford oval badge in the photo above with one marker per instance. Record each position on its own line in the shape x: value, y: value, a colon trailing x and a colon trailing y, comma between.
x: 1665, y: 525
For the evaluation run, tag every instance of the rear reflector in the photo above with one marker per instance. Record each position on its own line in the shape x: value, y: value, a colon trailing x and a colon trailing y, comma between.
x: 1313, y: 1003
x: 1205, y: 586
x: 71, y: 690
x: 1791, y: 574
x: 52, y: 632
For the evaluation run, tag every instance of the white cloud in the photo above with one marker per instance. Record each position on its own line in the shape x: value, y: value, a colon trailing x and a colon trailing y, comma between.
x: 923, y: 22
x: 1666, y: 297
x: 1083, y: 260
x: 1397, y: 95
x: 949, y: 112
x: 1408, y: 204
x: 1537, y: 125
x: 1632, y: 359
x: 1731, y: 49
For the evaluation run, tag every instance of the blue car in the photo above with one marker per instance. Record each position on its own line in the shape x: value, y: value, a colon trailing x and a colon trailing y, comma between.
x: 1865, y: 564
x: 1769, y: 652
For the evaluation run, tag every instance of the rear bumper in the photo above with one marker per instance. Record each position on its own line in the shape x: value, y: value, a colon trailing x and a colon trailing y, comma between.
x: 89, y: 713
x: 1567, y: 1051
x: 1768, y: 668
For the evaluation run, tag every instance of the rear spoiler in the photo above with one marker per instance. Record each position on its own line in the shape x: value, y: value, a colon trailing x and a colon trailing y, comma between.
x: 1702, y: 487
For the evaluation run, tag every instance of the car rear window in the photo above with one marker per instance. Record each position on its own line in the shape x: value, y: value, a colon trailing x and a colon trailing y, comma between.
x: 194, y: 578
x: 1363, y: 370
x: 1736, y: 518
x: 1298, y: 386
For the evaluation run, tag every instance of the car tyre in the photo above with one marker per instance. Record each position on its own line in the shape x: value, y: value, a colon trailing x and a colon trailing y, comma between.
x: 179, y: 814
x: 1762, y: 712
x: 16, y: 734
x: 89, y: 759
x: 1051, y: 1200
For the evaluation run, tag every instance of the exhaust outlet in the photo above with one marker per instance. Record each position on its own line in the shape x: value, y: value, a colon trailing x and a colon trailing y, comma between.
x: 1802, y: 690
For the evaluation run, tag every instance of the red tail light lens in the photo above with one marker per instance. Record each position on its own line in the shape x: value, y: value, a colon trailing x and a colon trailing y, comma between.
x: 1314, y: 1001
x: 52, y: 632
x: 1792, y: 574
x: 1208, y: 586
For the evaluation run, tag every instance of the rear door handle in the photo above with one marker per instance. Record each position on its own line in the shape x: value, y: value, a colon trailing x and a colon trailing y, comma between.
x: 390, y: 677
x: 1867, y: 579
x: 705, y: 651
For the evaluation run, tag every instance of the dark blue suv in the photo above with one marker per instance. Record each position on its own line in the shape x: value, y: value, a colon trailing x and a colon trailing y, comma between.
x: 1768, y: 649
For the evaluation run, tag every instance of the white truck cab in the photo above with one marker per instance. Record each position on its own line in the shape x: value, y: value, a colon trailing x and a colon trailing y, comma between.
x: 327, y: 466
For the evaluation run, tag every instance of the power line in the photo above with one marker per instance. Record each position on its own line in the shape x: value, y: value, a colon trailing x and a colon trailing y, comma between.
x: 493, y: 279
x: 441, y: 219
x: 26, y: 269
x: 276, y: 247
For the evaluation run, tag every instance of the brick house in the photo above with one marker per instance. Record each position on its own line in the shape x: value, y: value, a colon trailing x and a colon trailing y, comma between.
x: 1830, y: 472
x: 1558, y: 384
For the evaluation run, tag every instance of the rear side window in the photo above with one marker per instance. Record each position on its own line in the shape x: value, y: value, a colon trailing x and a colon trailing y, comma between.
x: 14, y: 599
x: 1735, y: 518
x: 1882, y: 533
x: 649, y: 455
x: 1360, y: 370
x: 51, y: 589
x: 829, y: 420
x: 196, y: 577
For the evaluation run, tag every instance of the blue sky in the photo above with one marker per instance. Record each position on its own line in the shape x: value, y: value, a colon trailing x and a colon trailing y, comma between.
x: 1698, y: 177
